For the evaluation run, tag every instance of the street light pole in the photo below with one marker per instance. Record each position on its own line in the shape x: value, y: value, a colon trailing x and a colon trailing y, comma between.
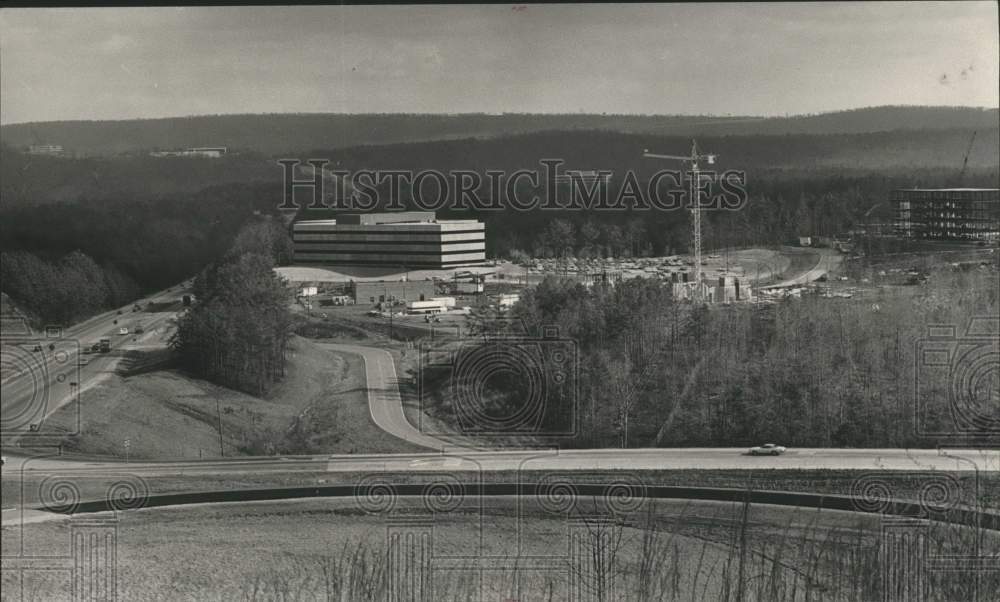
x: 218, y: 411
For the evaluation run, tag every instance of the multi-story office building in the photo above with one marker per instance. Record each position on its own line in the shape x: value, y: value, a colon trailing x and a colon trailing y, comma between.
x: 407, y: 239
x: 947, y: 213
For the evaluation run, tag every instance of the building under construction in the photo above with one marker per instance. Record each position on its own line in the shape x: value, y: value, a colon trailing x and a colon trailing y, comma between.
x: 727, y: 290
x: 947, y: 213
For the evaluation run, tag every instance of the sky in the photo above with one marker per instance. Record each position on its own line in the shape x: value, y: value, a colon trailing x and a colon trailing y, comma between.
x: 719, y: 59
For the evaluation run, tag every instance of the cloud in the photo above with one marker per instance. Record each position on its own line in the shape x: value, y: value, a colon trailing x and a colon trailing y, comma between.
x: 765, y: 59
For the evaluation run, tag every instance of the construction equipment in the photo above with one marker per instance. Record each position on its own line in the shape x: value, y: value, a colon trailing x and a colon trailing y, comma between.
x: 694, y: 160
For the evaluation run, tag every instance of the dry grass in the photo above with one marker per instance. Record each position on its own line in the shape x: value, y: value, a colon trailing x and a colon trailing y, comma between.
x: 331, y: 550
x: 320, y: 407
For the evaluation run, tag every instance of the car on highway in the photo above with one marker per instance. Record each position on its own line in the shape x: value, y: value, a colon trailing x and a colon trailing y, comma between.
x: 768, y: 449
x: 84, y: 360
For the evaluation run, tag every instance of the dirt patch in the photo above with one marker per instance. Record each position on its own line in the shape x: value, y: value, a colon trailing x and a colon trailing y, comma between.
x: 800, y: 262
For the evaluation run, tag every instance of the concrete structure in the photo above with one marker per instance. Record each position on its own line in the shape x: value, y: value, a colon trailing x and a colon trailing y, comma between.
x: 400, y: 290
x: 726, y: 290
x: 947, y: 213
x: 729, y: 290
x: 408, y: 239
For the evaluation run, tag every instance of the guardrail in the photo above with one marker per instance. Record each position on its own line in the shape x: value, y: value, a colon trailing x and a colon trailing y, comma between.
x: 884, y: 506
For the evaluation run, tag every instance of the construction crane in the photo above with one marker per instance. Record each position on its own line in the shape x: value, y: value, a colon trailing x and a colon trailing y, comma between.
x: 694, y: 159
x: 965, y: 162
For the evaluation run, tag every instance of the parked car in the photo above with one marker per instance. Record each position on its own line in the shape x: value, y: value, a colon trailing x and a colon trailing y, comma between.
x: 768, y: 449
x: 123, y: 330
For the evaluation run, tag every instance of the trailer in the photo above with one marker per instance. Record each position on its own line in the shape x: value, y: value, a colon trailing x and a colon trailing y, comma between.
x: 425, y: 307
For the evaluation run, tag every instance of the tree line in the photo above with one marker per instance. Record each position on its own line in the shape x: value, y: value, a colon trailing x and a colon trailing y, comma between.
x: 811, y: 372
x: 281, y: 133
x: 65, y: 261
x: 236, y: 334
x: 64, y: 290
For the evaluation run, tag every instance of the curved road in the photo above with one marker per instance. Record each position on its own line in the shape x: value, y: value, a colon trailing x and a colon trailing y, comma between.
x: 828, y: 260
x: 385, y: 405
x: 384, y: 400
x: 37, y: 384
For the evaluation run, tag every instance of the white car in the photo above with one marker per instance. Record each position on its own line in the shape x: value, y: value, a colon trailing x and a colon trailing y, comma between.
x: 768, y: 449
x: 123, y: 331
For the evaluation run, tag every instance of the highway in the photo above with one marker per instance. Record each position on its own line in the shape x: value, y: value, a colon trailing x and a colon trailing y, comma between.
x: 463, y: 460
x: 385, y: 405
x: 386, y: 408
x: 36, y: 384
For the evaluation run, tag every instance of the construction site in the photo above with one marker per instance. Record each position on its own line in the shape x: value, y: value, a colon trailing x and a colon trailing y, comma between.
x: 949, y: 220
x: 971, y: 214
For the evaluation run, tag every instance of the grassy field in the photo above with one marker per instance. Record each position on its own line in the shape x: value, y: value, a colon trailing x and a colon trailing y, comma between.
x: 320, y: 407
x: 336, y: 550
x: 92, y: 485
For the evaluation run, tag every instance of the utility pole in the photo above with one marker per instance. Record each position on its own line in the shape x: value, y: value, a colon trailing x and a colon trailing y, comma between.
x: 965, y: 162
x: 218, y: 411
x: 693, y: 160
x: 386, y: 296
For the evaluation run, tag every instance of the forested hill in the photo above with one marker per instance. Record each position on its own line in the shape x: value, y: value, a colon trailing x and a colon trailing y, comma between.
x: 30, y: 180
x: 281, y: 133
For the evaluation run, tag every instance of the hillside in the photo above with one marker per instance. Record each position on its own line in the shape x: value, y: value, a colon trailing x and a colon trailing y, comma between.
x: 280, y: 133
x: 39, y: 179
x: 900, y: 149
x: 36, y: 180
